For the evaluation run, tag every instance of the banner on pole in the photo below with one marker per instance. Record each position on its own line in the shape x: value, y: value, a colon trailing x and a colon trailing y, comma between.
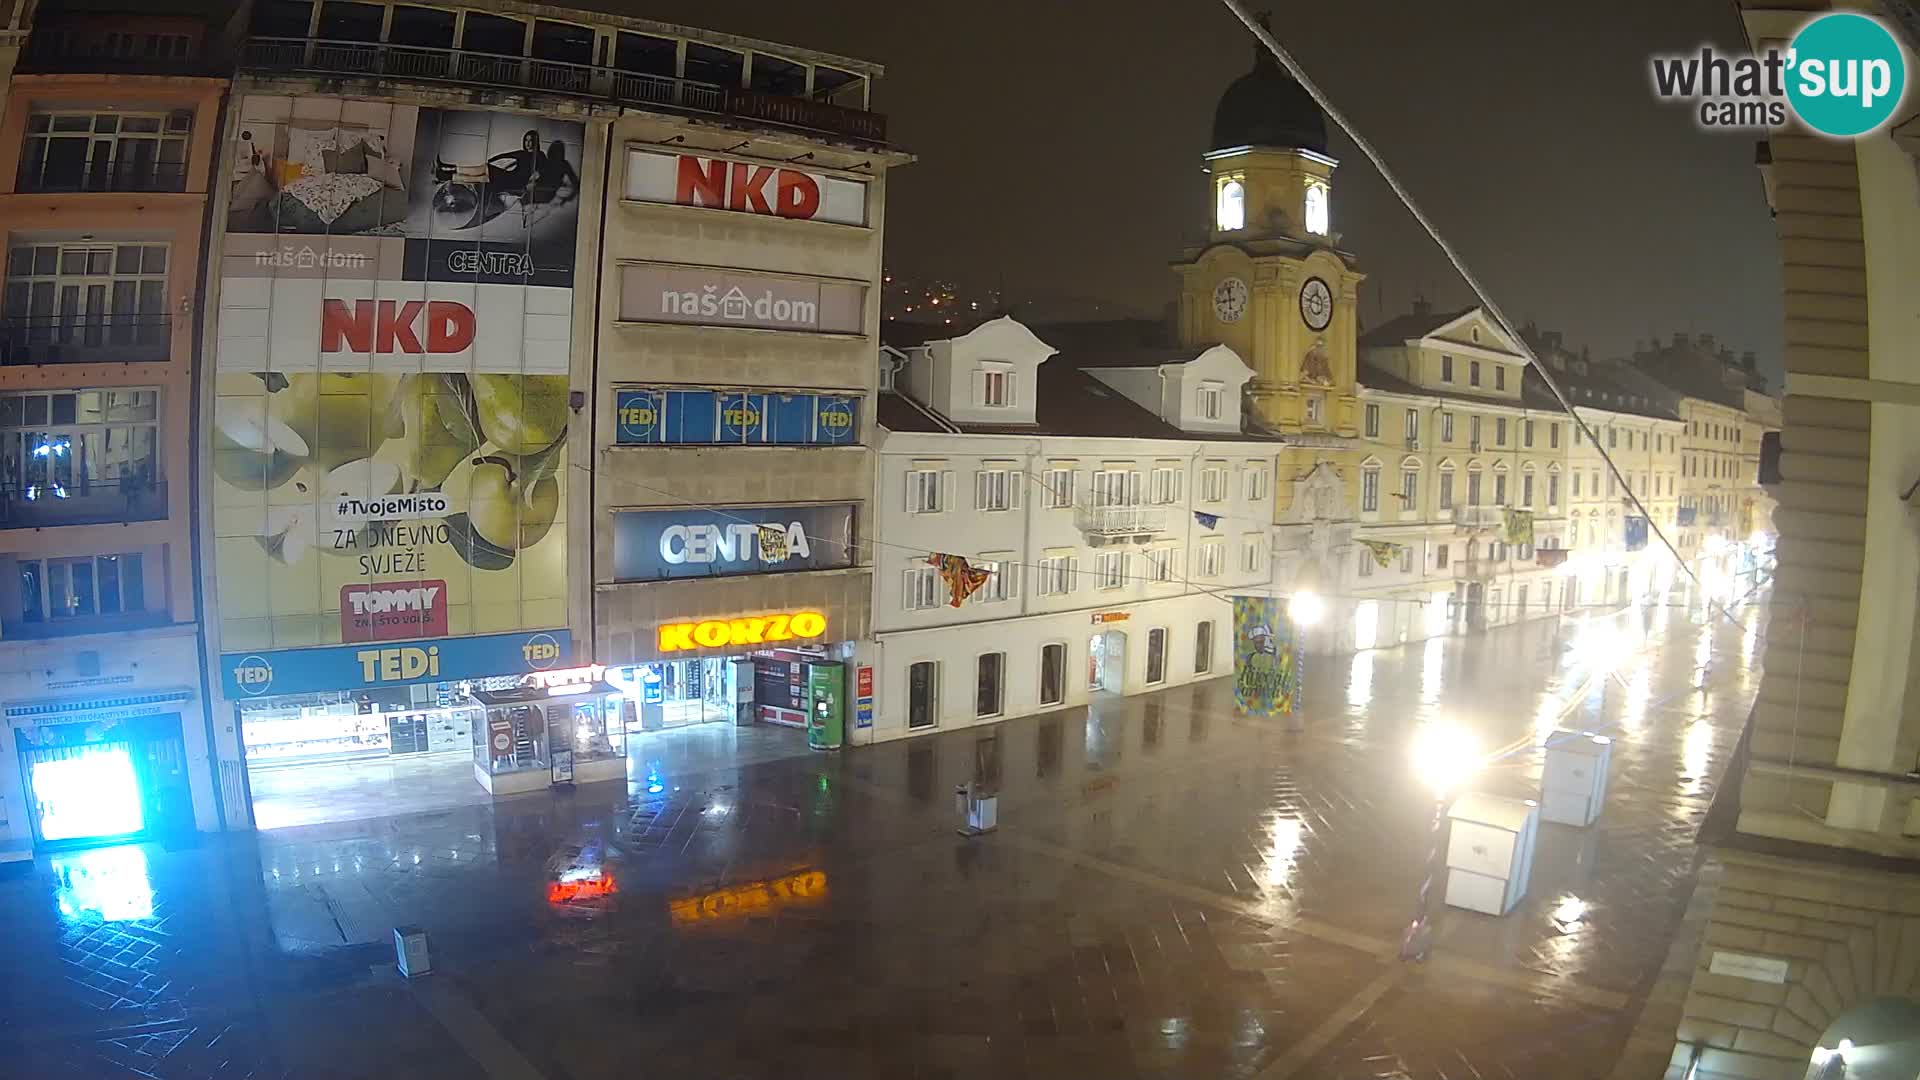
x: 1266, y: 657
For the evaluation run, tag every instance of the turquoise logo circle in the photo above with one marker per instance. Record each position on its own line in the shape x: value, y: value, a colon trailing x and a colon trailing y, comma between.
x: 1846, y: 74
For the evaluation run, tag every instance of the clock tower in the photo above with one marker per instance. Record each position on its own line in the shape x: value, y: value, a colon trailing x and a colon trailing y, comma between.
x: 1271, y: 282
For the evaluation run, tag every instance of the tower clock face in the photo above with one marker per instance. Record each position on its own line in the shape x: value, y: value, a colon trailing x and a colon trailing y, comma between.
x: 1230, y: 300
x: 1316, y: 304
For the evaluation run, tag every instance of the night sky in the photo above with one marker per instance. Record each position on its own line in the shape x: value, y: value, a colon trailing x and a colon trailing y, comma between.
x: 1059, y: 144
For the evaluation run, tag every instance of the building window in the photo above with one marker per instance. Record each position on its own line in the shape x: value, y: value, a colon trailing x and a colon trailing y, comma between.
x: 1446, y: 489
x: 996, y: 387
x: 1256, y: 482
x: 1156, y: 655
x: 925, y: 490
x: 1230, y: 211
x: 1441, y: 552
x: 1413, y: 428
x: 1059, y: 488
x: 106, y: 151
x: 1253, y: 553
x: 1553, y: 436
x: 1210, y: 558
x: 1473, y: 432
x: 1056, y: 575
x: 1203, y: 647
x: 1160, y: 564
x: 88, y: 296
x: 1409, y: 489
x: 1500, y: 431
x: 1366, y: 562
x: 1207, y: 401
x: 1213, y: 484
x: 1576, y: 483
x: 1446, y: 368
x: 1164, y: 484
x: 1316, y: 409
x: 996, y: 489
x: 57, y: 589
x: 81, y: 456
x: 921, y: 588
x: 1370, y: 489
x: 1499, y: 489
x: 1473, y: 373
x: 1499, y: 376
x: 1553, y: 490
x: 1526, y: 433
x: 1446, y: 427
x: 986, y: 700
x: 999, y: 583
x: 1526, y: 490
x: 1473, y: 487
x: 1116, y: 487
x: 1613, y: 438
x: 1110, y: 569
x: 1316, y: 209
x: 1053, y: 673
x: 1373, y: 421
x: 1406, y: 559
x: 1579, y: 438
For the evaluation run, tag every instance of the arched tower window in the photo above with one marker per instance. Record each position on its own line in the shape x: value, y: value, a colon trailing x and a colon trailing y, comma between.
x: 1231, y: 211
x: 1317, y: 209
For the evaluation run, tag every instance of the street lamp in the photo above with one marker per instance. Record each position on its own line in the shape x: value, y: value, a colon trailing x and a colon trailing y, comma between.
x: 1445, y: 758
x: 1306, y: 607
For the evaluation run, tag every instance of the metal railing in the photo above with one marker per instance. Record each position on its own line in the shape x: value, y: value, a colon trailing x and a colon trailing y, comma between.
x: 120, y: 176
x: 41, y: 506
x: 1121, y: 520
x: 382, y: 60
x: 85, y: 339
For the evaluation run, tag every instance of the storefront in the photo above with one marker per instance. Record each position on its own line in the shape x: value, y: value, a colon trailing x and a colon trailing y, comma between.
x: 356, y: 731
x: 770, y: 686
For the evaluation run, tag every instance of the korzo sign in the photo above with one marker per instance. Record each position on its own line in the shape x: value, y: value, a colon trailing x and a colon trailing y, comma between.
x: 653, y: 544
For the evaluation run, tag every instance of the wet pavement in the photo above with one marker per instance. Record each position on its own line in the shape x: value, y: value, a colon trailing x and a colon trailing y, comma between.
x: 1173, y: 892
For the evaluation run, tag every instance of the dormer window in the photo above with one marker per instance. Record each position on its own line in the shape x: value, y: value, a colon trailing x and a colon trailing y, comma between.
x: 1317, y: 209
x: 994, y: 386
x: 1230, y: 209
x: 1207, y: 400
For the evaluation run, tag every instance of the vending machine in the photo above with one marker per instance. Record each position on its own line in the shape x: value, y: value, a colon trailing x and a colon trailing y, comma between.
x: 826, y: 704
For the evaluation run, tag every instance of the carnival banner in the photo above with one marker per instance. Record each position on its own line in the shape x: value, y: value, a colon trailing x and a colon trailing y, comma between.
x: 1266, y: 657
x: 1519, y: 527
x: 1382, y: 551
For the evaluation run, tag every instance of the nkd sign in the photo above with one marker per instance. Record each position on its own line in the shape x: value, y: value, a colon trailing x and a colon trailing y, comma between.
x: 705, y: 296
x: 744, y: 187
x: 652, y: 544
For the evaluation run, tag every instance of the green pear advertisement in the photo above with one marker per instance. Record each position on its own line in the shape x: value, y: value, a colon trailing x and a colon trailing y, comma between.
x: 390, y: 427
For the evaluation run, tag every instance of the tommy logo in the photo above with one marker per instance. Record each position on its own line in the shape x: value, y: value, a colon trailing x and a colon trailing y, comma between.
x: 394, y: 326
x: 393, y: 610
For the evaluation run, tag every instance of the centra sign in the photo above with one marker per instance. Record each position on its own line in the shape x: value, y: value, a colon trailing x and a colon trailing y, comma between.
x: 753, y: 630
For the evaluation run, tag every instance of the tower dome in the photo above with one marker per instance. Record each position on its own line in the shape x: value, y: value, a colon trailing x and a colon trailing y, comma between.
x: 1265, y: 107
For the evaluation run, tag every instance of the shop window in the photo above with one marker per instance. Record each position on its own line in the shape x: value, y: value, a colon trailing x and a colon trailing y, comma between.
x: 989, y: 684
x: 494, y: 34
x: 923, y: 694
x: 718, y: 67
x: 772, y: 75
x: 645, y: 54
x: 1053, y: 673
x: 1203, y: 647
x: 349, y: 20
x: 565, y: 43
x: 840, y: 87
x: 425, y: 28
x: 1156, y: 655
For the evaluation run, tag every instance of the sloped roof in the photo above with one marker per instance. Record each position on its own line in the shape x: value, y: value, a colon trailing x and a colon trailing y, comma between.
x: 1533, y: 390
x: 1404, y: 328
x: 1067, y: 402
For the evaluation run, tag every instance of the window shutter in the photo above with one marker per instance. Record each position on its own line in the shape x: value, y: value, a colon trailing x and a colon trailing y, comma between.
x: 1013, y: 389
x: 913, y: 492
x: 1016, y: 480
x: 1010, y: 573
x: 946, y: 489
x: 909, y: 590
x: 980, y: 387
x: 980, y: 489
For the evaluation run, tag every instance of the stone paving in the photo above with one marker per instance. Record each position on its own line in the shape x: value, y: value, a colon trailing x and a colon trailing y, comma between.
x: 1174, y: 892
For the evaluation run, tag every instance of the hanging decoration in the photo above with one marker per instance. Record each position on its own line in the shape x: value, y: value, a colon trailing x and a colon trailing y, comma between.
x: 963, y: 578
x: 773, y: 544
x: 1207, y: 521
x: 1266, y: 657
x: 1519, y: 527
x: 1383, y: 552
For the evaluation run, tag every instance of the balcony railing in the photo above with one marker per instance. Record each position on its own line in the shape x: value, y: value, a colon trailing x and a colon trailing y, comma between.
x: 41, y: 506
x: 122, y: 176
x: 1478, y: 517
x: 381, y: 60
x: 1115, y: 522
x: 84, y: 339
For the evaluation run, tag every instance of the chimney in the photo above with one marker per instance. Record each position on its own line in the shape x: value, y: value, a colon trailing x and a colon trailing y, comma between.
x: 1551, y: 339
x: 1748, y: 360
x: 1726, y: 356
x: 1422, y: 306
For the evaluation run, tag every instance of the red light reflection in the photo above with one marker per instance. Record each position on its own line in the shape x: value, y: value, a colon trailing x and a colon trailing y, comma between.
x: 561, y: 892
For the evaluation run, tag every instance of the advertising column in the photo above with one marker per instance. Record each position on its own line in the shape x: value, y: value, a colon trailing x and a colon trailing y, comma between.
x: 389, y: 430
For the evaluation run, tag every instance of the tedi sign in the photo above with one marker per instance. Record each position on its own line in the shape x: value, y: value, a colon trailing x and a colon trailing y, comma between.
x: 653, y: 544
x: 745, y: 187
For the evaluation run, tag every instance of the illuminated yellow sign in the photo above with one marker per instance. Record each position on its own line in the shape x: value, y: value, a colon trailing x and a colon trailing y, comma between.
x: 754, y: 630
x: 751, y: 899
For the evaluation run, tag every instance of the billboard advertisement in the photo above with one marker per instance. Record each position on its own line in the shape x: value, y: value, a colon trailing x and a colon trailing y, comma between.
x: 1266, y: 657
x: 658, y: 176
x: 391, y: 370
x: 709, y: 296
x: 745, y: 418
x: 651, y: 545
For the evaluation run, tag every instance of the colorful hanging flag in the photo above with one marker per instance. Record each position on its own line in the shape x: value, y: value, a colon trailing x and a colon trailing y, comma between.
x: 1266, y: 657
x: 1519, y: 527
x: 963, y: 578
x: 1383, y: 552
x: 773, y: 544
x: 1207, y: 521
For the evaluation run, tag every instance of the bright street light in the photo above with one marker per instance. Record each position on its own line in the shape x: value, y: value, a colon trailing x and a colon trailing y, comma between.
x: 1445, y: 757
x: 1306, y: 608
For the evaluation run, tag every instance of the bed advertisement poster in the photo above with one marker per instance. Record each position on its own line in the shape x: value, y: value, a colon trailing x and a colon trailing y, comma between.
x: 390, y: 420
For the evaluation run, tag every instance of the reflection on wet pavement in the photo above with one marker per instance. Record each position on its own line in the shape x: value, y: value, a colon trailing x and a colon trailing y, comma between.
x: 1174, y: 891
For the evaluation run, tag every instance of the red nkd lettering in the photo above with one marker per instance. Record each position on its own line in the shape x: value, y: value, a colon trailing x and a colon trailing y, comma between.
x: 796, y: 195
x: 389, y: 326
x: 748, y: 191
x: 700, y: 183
